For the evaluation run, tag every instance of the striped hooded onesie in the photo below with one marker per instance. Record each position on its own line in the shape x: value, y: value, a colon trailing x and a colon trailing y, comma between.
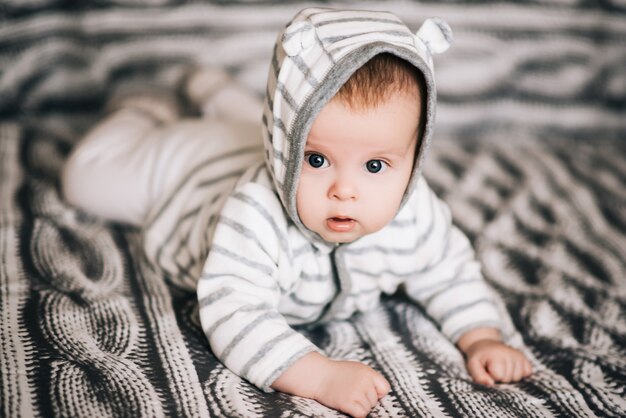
x: 265, y: 271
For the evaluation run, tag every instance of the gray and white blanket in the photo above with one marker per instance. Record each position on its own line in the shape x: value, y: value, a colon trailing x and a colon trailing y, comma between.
x: 529, y: 151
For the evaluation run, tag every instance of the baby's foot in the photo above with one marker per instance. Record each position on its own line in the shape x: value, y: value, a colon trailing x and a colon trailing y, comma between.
x: 220, y: 96
x: 202, y: 83
x: 160, y: 106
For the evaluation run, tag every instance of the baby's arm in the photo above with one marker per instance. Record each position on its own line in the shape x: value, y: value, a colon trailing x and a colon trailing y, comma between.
x: 452, y: 290
x: 238, y: 296
x: 489, y: 360
x: 348, y: 386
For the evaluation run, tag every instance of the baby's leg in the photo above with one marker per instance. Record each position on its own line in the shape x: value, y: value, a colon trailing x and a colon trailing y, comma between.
x: 109, y: 172
x: 218, y: 95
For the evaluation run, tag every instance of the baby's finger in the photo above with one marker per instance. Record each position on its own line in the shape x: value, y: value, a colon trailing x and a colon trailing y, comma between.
x: 497, y: 369
x: 382, y: 386
x: 359, y: 409
x: 518, y: 369
x: 372, y: 396
x: 528, y: 368
x: 509, y: 361
x: 479, y: 373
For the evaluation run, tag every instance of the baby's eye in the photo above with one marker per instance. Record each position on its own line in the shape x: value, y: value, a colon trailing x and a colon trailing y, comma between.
x: 375, y: 166
x: 317, y: 161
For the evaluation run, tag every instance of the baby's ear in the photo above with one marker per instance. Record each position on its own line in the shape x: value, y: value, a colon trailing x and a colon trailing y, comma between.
x: 435, y: 34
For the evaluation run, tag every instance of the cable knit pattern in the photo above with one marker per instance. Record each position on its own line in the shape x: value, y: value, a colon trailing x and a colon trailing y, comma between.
x: 528, y: 153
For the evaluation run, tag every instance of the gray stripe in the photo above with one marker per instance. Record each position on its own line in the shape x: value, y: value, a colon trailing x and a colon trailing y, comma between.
x: 183, y: 242
x: 319, y: 42
x: 240, y: 229
x: 269, y: 96
x: 459, y: 309
x: 266, y: 125
x: 304, y: 249
x: 244, y: 332
x: 444, y: 255
x: 214, y: 296
x: 169, y: 237
x: 265, y: 348
x: 181, y: 247
x: 278, y: 155
x: 303, y: 302
x: 267, y: 270
x: 226, y: 176
x: 402, y: 223
x: 257, y: 173
x: 275, y: 65
x: 385, y: 271
x: 245, y: 308
x: 343, y: 12
x: 319, y: 277
x: 287, y: 96
x: 268, y: 217
x: 288, y: 35
x: 306, y: 71
x: 253, y: 281
x: 427, y: 289
x: 385, y: 250
x: 198, y: 167
x: 360, y: 19
x: 455, y: 284
x: 278, y: 123
x: 400, y: 34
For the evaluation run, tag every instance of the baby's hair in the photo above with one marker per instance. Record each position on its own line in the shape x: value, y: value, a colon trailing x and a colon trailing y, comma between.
x: 378, y: 79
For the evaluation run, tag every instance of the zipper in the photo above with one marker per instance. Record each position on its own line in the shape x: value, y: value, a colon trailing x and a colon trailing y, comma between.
x: 336, y: 280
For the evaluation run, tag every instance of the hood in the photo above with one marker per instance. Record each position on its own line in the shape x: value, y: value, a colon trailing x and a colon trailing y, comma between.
x: 314, y: 56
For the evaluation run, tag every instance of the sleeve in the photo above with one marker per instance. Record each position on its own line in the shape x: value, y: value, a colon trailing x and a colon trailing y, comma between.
x: 239, y: 290
x: 449, y: 285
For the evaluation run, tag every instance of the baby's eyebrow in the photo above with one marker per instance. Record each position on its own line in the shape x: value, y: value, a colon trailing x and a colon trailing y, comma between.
x: 400, y: 151
x: 391, y: 154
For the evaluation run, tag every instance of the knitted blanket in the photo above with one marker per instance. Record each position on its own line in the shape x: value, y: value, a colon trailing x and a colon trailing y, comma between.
x: 529, y: 152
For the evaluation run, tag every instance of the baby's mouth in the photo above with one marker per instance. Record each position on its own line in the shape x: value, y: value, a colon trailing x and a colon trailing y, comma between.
x: 340, y: 224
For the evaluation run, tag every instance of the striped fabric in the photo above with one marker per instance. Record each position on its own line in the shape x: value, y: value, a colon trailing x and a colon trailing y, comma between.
x: 528, y: 154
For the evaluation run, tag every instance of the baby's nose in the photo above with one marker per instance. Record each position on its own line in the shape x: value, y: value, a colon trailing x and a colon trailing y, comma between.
x: 343, y: 189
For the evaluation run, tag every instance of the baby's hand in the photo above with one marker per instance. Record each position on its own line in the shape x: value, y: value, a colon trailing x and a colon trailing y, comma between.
x: 351, y: 387
x: 489, y: 360
x: 348, y: 386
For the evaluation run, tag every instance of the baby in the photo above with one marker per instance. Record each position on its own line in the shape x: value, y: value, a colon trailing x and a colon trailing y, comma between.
x: 331, y: 212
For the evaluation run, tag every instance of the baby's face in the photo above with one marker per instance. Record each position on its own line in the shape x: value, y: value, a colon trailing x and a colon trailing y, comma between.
x: 356, y: 167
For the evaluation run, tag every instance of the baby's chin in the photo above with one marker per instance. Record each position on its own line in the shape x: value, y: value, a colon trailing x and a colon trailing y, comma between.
x: 342, y: 237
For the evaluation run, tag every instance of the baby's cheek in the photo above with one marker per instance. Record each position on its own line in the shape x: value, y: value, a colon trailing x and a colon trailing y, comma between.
x: 381, y: 213
x: 308, y: 202
x: 385, y: 204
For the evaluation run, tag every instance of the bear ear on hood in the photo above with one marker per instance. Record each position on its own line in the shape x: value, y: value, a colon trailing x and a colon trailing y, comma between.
x: 298, y: 37
x: 435, y: 34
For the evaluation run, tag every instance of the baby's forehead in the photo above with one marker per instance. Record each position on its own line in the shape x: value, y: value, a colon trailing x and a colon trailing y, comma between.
x: 388, y: 127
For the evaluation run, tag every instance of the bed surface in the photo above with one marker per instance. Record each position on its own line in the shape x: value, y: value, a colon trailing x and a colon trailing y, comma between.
x: 529, y: 152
